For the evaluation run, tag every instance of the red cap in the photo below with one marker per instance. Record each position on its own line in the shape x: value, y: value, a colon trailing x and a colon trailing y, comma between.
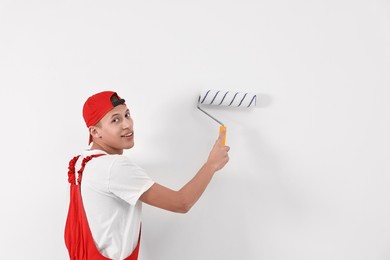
x: 97, y: 106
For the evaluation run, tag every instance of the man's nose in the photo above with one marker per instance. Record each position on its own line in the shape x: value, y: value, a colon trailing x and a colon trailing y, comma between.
x: 127, y: 123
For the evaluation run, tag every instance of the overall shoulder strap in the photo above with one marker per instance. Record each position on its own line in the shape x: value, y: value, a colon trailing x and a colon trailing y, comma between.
x: 71, y: 168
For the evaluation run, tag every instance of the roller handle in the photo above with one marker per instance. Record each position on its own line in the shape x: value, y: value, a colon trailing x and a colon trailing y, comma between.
x: 221, y: 129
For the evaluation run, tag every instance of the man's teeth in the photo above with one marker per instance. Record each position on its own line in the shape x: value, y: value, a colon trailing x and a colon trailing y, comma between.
x: 129, y: 135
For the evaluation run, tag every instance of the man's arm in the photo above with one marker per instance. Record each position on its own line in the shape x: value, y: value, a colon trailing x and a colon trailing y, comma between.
x: 181, y: 201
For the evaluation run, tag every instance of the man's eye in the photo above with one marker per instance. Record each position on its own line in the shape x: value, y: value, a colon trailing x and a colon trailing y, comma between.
x: 127, y: 115
x: 115, y: 120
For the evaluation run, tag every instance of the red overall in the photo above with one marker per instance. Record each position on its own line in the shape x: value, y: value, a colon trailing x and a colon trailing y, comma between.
x: 78, y: 236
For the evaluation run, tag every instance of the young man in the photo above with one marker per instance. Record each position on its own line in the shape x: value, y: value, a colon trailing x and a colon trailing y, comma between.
x: 104, y: 218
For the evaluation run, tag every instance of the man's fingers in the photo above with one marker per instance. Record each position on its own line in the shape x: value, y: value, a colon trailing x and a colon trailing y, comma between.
x: 221, y: 137
x: 222, y: 134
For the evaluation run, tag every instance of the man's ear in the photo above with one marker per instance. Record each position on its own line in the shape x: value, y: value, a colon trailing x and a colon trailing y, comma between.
x: 94, y: 132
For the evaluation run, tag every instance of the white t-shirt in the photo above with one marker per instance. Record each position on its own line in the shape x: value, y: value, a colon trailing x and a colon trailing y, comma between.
x: 110, y: 188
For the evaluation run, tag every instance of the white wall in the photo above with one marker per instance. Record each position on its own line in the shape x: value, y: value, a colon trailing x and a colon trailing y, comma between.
x: 309, y: 170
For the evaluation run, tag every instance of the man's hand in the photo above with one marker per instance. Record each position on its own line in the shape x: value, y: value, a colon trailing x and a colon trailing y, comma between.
x: 219, y: 157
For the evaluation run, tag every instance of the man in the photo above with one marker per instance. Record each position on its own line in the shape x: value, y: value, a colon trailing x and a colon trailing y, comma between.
x: 104, y: 218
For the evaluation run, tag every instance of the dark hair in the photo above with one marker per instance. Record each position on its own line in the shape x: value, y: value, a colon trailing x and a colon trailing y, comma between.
x: 114, y: 98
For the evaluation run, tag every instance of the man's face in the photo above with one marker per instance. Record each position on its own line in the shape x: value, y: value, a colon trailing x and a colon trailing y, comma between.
x: 116, y: 130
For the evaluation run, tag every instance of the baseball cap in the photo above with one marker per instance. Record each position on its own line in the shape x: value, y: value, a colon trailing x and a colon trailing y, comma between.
x: 98, y: 105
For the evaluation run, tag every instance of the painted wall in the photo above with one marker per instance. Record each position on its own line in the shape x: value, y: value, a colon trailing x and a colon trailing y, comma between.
x: 309, y: 171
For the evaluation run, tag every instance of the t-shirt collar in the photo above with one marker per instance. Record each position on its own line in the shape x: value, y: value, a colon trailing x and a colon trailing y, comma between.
x: 92, y: 152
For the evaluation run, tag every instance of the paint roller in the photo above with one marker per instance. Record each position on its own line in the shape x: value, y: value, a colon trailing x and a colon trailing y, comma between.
x: 225, y: 98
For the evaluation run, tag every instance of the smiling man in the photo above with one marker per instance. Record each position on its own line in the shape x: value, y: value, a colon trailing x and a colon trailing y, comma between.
x: 104, y: 217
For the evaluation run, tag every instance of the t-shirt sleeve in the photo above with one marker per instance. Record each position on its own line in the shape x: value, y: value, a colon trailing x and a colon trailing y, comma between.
x: 127, y: 180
